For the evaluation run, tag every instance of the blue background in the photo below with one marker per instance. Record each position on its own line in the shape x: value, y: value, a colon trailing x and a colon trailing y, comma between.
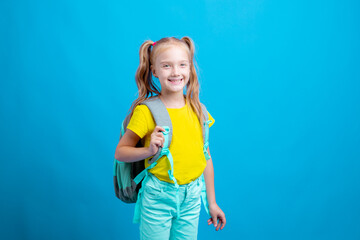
x: 281, y: 78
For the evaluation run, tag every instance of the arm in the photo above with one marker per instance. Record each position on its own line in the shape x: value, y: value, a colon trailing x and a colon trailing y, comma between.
x: 127, y: 152
x: 217, y: 215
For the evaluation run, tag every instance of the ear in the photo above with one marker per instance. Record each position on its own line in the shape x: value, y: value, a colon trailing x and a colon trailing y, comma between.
x: 153, y: 71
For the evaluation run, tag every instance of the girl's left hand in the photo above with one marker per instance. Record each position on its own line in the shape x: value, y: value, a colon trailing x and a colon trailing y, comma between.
x: 217, y: 217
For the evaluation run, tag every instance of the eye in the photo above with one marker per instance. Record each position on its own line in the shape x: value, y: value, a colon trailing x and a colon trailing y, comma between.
x: 166, y: 65
x: 183, y: 65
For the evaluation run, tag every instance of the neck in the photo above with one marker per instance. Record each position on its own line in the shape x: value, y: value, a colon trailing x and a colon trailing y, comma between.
x: 173, y: 100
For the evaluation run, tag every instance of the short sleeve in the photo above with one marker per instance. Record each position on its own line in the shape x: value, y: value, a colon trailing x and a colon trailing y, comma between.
x: 139, y: 122
x: 212, y: 119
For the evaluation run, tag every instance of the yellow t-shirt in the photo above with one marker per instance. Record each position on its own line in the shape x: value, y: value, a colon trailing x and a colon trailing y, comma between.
x: 186, y: 144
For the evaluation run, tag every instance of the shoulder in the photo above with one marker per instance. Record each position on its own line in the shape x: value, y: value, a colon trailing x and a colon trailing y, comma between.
x: 212, y: 120
x: 141, y: 121
x: 142, y: 113
x: 142, y: 109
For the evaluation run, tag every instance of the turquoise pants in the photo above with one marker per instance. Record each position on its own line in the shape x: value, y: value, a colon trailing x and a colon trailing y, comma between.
x: 159, y: 218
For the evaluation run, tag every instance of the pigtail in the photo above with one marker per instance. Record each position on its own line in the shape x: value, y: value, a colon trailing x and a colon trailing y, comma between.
x: 193, y: 86
x: 147, y: 88
x: 190, y: 45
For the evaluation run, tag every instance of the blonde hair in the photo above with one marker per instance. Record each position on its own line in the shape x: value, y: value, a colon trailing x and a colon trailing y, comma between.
x: 148, y: 89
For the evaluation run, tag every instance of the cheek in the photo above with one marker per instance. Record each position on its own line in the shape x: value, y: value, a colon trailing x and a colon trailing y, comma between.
x: 162, y: 74
x: 188, y: 74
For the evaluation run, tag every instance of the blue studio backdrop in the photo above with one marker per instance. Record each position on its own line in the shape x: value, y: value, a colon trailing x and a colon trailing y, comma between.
x: 281, y: 78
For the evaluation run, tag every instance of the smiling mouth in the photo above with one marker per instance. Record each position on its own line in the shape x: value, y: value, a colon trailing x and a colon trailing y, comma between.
x: 176, y: 81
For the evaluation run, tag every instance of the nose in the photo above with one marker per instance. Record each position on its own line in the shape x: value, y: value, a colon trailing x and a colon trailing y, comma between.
x: 175, y: 70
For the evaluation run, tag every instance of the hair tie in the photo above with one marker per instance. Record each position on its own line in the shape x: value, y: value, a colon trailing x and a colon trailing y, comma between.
x: 154, y: 43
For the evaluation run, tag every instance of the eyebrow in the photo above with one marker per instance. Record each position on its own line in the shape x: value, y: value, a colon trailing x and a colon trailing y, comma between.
x: 165, y: 61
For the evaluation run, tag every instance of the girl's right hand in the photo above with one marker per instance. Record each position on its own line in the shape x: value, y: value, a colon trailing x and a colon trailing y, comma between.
x: 157, y: 140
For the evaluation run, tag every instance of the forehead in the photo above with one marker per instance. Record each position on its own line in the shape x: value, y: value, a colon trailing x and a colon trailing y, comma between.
x: 172, y: 53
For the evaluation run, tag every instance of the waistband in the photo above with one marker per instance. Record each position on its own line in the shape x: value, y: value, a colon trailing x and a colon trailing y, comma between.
x: 172, y: 185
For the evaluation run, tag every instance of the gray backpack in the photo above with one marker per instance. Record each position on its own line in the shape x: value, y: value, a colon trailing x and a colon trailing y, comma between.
x: 128, y: 176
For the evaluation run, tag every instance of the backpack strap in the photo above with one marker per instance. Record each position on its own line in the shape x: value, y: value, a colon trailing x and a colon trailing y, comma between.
x: 161, y: 118
x: 206, y: 118
x: 205, y: 131
x: 124, y: 125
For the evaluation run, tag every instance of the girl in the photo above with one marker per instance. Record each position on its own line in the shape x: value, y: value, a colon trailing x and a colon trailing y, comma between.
x: 171, y: 60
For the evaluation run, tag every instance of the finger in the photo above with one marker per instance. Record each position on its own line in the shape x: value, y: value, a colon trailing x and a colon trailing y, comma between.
x: 156, y: 134
x: 223, y: 222
x: 223, y: 225
x: 215, y: 221
x: 159, y: 135
x: 159, y: 129
x: 157, y: 143
x: 161, y: 140
x: 218, y: 225
x: 209, y: 221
